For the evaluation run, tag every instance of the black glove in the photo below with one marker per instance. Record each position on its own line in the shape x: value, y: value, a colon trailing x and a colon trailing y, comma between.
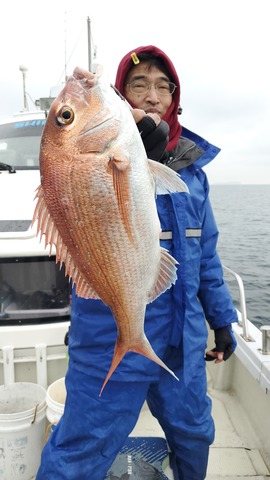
x: 155, y: 137
x: 225, y: 342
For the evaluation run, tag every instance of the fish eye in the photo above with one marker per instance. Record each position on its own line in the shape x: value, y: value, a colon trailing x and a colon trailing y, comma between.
x: 65, y: 116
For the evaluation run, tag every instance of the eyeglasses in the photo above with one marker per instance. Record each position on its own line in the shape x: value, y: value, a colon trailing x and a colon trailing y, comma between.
x: 141, y: 87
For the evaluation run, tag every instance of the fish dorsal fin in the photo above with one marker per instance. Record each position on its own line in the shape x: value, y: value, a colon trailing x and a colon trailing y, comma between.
x: 167, y: 275
x: 83, y: 289
x: 47, y: 227
x: 120, y: 172
x: 166, y: 179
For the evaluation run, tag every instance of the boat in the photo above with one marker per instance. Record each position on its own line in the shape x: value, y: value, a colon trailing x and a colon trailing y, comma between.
x: 34, y: 292
x: 35, y: 318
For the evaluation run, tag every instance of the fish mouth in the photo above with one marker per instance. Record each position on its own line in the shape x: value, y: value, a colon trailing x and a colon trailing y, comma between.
x: 87, y: 79
x: 88, y: 82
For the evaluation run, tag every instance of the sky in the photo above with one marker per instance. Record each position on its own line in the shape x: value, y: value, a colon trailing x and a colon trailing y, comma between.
x: 220, y: 50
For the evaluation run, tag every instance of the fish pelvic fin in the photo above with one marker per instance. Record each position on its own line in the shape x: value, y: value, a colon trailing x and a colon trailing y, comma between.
x: 142, y: 347
x: 166, y: 179
x: 167, y: 275
x: 120, y: 172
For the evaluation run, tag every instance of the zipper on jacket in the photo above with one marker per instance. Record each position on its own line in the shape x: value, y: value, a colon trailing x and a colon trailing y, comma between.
x: 173, y: 159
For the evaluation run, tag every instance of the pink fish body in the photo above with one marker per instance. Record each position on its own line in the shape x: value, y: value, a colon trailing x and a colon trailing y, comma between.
x: 96, y: 205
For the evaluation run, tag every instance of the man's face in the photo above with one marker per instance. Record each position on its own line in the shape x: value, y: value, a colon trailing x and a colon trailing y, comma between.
x: 151, y: 101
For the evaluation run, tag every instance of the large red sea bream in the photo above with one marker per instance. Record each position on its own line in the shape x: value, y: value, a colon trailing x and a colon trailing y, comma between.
x: 96, y: 204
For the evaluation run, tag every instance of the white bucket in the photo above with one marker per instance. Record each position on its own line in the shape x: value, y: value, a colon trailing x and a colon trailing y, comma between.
x: 22, y: 429
x: 55, y: 399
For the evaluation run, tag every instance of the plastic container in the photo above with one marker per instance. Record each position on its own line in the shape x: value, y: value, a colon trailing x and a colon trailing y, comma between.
x: 22, y: 429
x: 55, y: 399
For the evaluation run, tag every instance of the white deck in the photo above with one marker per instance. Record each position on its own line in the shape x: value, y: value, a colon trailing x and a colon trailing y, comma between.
x: 240, y: 396
x: 239, y: 388
x: 235, y: 454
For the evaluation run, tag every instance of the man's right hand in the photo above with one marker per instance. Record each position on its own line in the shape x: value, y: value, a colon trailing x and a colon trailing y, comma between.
x: 154, y: 132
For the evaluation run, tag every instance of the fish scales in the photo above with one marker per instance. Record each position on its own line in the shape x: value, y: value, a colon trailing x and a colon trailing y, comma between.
x: 96, y: 204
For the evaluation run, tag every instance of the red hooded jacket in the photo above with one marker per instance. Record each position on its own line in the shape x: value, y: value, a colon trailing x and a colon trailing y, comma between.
x: 171, y: 117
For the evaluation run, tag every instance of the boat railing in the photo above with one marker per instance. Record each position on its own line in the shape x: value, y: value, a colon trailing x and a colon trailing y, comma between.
x: 243, y: 322
x: 243, y: 309
x: 253, y: 352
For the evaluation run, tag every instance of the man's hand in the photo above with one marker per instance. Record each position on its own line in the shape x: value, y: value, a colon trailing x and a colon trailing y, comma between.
x: 225, y: 345
x: 154, y: 133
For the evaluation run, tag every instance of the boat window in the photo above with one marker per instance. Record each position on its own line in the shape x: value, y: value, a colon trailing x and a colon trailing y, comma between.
x: 20, y: 143
x: 33, y: 290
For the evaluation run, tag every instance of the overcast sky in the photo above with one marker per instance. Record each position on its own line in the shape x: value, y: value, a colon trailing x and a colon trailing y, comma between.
x: 220, y: 50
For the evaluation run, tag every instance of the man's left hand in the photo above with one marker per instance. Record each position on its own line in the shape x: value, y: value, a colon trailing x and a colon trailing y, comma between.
x: 225, y: 345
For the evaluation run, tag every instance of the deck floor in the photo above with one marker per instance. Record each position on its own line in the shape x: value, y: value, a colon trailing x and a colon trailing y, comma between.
x: 235, y: 453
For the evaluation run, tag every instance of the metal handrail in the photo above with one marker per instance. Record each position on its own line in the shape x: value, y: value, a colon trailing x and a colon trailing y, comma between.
x: 243, y: 309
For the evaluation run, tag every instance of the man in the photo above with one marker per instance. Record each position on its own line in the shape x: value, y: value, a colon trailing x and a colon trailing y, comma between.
x: 93, y: 429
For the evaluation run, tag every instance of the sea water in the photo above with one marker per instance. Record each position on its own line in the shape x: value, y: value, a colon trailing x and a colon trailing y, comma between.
x: 242, y: 214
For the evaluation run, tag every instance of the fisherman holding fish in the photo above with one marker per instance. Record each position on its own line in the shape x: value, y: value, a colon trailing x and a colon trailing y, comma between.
x: 188, y: 287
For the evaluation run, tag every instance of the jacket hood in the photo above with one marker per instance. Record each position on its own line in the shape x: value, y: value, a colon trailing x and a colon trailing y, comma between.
x: 171, y: 117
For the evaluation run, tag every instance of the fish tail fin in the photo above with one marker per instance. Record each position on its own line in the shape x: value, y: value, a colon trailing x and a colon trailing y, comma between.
x: 144, y: 348
x: 119, y: 353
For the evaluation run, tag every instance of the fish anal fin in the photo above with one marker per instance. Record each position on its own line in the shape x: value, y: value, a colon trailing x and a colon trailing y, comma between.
x: 120, y: 172
x: 166, y: 179
x: 167, y: 274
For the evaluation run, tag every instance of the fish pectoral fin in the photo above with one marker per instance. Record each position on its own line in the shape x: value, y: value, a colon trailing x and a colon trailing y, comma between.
x: 167, y: 275
x: 166, y: 179
x: 120, y: 172
x: 120, y: 162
